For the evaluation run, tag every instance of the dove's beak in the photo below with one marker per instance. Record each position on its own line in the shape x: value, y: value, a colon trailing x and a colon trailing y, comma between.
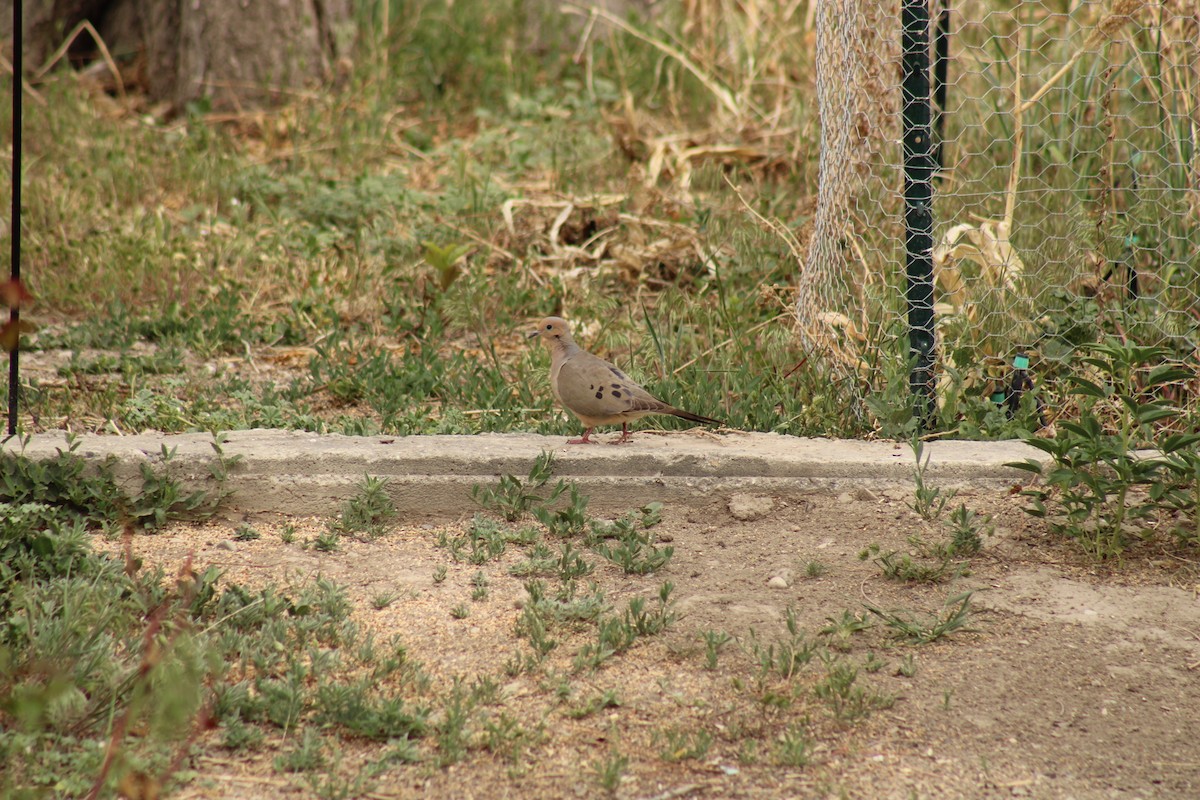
x: 532, y: 334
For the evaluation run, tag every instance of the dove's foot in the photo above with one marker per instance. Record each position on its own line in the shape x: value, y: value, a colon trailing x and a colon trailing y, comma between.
x: 625, y: 434
x: 585, y: 439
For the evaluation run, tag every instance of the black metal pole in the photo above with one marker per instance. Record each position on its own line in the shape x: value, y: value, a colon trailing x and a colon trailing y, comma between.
x: 919, y: 168
x: 14, y: 313
x: 941, y: 64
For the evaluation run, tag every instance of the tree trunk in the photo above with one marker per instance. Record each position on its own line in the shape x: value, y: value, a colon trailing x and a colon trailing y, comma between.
x: 235, y: 52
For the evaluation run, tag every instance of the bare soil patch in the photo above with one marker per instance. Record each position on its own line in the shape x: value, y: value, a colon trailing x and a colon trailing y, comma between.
x: 1076, y: 681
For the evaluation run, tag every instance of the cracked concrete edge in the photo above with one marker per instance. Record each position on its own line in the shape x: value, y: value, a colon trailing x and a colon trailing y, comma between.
x: 295, y: 473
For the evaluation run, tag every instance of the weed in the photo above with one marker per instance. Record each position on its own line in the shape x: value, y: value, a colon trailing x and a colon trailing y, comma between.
x: 598, y: 702
x: 610, y: 770
x: 460, y: 611
x: 840, y: 629
x: 237, y: 735
x: 682, y: 744
x: 327, y: 541
x: 908, y: 666
x: 928, y: 501
x: 900, y: 566
x: 287, y: 534
x: 748, y: 752
x: 246, y: 533
x: 383, y: 599
x: 514, y: 498
x: 616, y: 634
x: 439, y: 574
x: 569, y: 521
x: 507, y: 738
x: 1100, y: 491
x: 966, y: 531
x: 305, y: 755
x: 369, y: 512
x: 452, y: 734
x: 814, y: 569
x: 846, y: 698
x: 954, y: 617
x: 714, y: 642
x: 571, y: 564
x: 787, y: 656
x: 873, y: 663
x: 793, y: 748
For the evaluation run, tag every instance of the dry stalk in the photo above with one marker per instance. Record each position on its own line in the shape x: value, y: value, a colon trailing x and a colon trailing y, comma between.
x: 723, y: 95
x: 1121, y: 12
x: 104, y: 54
x: 152, y: 654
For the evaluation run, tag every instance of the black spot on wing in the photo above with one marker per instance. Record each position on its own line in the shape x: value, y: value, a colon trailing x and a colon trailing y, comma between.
x: 616, y: 393
x: 600, y: 395
x: 618, y: 373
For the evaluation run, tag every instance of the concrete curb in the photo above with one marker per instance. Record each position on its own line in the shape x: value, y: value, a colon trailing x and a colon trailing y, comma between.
x: 430, y: 477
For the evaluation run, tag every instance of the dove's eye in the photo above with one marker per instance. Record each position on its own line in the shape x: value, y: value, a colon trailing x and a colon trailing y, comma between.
x: 549, y: 327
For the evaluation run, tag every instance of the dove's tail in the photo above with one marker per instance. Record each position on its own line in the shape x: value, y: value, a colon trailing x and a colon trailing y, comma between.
x: 679, y: 412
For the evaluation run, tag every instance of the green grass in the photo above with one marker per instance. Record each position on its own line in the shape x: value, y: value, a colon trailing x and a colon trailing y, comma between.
x: 359, y: 239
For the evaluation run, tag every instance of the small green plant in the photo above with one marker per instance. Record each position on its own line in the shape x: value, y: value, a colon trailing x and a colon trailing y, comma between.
x: 569, y: 521
x: 383, y: 599
x: 287, y: 534
x: 237, y: 735
x: 439, y: 574
x: 634, y: 550
x: 327, y: 541
x: 460, y: 611
x: 928, y: 501
x: 908, y: 666
x: 814, y: 569
x: 246, y: 533
x: 793, y: 748
x: 840, y: 629
x: 571, y: 564
x: 480, y: 582
x: 714, y: 642
x: 966, y: 531
x: 682, y: 744
x: 598, y: 702
x: 786, y: 657
x: 922, y: 629
x: 507, y: 738
x: 1099, y: 489
x: 899, y: 566
x: 305, y: 755
x: 445, y: 261
x: 616, y: 634
x: 846, y: 698
x: 369, y: 512
x: 514, y: 498
x: 452, y: 731
x: 610, y: 770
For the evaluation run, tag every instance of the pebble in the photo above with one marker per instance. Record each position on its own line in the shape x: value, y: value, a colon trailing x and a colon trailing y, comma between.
x: 750, y: 507
x: 781, y: 579
x: 227, y: 545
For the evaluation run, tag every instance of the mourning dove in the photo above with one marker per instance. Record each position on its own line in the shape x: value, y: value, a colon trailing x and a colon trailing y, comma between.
x: 595, y: 390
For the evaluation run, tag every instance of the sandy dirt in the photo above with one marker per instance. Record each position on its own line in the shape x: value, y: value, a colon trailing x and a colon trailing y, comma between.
x: 1076, y: 680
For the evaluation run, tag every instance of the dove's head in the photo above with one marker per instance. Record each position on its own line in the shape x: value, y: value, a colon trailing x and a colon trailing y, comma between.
x: 553, y: 330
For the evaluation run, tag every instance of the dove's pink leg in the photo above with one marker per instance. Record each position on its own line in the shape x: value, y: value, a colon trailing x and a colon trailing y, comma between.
x: 624, y: 433
x: 582, y: 439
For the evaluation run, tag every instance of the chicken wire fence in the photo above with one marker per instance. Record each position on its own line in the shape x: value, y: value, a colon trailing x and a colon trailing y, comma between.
x: 1066, y: 208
